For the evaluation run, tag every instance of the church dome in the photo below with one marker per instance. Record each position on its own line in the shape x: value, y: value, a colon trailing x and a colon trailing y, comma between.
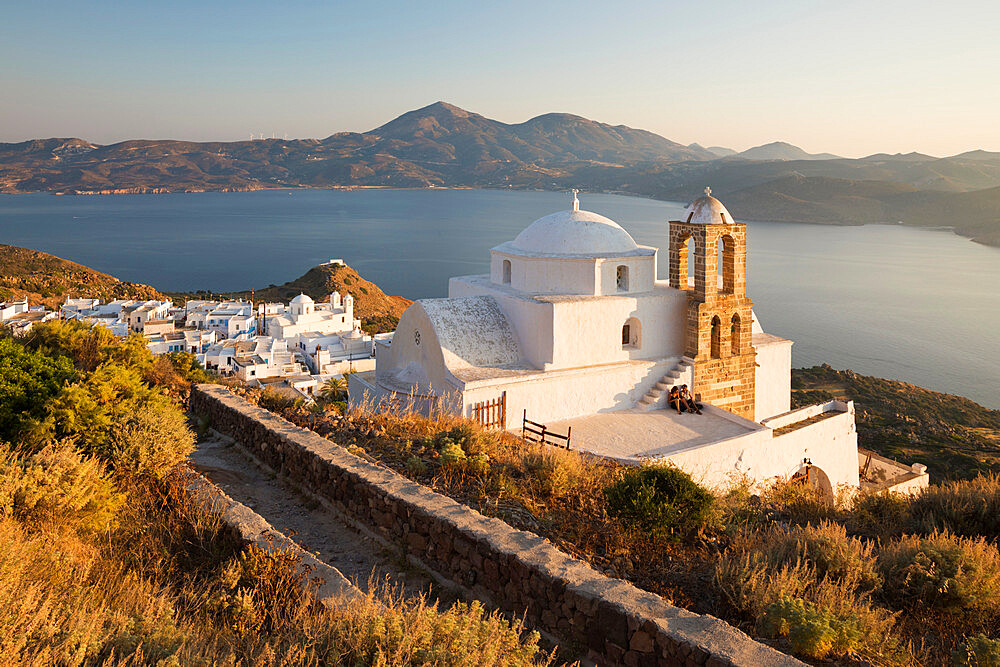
x: 707, y: 210
x: 302, y: 298
x: 574, y: 232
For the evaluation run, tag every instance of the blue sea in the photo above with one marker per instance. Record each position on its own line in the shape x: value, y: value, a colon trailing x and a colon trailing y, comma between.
x: 918, y: 305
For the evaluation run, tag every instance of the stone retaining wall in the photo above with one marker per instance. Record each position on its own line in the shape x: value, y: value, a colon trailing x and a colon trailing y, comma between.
x: 615, y: 622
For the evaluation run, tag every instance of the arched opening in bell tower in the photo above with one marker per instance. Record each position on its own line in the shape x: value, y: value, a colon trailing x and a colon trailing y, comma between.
x: 716, y: 350
x: 734, y: 334
x: 726, y: 264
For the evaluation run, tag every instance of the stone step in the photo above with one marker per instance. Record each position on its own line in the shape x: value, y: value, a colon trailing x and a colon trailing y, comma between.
x: 663, y: 386
x: 674, y: 374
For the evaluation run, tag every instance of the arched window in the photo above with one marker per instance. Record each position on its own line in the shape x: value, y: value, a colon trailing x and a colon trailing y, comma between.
x: 716, y: 337
x: 506, y: 272
x: 727, y: 264
x: 685, y: 266
x: 621, y: 277
x: 632, y: 334
x: 734, y: 334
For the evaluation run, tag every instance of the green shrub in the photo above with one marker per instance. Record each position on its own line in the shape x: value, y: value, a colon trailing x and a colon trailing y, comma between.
x: 797, y: 502
x: 942, y: 571
x: 882, y: 513
x: 150, y: 440
x: 966, y: 507
x: 814, y: 633
x: 827, y: 549
x: 28, y: 381
x: 659, y: 499
x: 556, y: 471
x: 57, y: 484
x: 275, y: 401
x: 978, y: 651
x: 452, y: 454
x: 416, y: 466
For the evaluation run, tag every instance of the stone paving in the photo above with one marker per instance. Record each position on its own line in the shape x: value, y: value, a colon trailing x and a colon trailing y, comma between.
x: 633, y: 435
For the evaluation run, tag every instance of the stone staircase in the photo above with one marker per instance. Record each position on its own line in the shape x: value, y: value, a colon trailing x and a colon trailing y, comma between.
x: 656, y: 396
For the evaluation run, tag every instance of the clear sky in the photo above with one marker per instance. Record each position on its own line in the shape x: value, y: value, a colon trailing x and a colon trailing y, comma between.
x: 846, y: 77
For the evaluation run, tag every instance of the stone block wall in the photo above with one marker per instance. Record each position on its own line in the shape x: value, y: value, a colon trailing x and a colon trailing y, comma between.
x: 518, y: 571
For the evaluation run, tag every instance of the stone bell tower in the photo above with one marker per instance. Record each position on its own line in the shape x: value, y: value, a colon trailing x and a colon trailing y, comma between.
x: 719, y: 333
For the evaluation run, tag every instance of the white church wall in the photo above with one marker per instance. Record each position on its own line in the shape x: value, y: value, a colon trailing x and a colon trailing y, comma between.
x: 830, y: 444
x: 641, y: 274
x: 546, y: 275
x: 407, y: 347
x: 589, y: 331
x: 573, y: 393
x: 773, y: 379
x: 530, y: 319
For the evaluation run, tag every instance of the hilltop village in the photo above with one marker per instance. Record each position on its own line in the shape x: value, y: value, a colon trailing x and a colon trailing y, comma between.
x: 289, y: 348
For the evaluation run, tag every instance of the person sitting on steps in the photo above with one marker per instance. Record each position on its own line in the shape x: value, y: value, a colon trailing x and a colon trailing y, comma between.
x: 677, y: 401
x: 689, y: 400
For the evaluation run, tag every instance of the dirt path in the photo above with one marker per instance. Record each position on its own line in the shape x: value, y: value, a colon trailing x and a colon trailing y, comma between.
x: 315, y: 528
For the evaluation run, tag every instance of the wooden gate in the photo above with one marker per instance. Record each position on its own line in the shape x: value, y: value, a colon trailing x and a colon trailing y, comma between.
x: 540, y: 433
x: 492, y: 414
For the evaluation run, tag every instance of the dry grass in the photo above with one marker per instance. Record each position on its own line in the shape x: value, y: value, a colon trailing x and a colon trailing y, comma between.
x: 788, y: 553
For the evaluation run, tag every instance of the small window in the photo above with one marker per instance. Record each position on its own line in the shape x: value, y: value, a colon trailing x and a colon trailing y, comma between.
x: 506, y: 272
x: 626, y: 338
x: 622, y: 278
x: 632, y: 334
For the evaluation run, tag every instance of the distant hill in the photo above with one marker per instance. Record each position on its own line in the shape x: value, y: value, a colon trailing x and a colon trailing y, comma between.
x: 780, y: 150
x: 721, y: 151
x: 377, y: 311
x: 441, y: 145
x: 48, y: 280
x: 955, y: 437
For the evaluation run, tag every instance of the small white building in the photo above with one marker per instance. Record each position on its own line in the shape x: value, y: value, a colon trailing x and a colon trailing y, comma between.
x: 573, y: 329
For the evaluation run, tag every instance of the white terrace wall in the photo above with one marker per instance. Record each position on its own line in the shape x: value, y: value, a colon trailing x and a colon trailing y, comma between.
x: 512, y: 569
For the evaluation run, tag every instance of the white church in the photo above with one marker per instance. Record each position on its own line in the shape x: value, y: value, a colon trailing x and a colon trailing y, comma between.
x: 572, y: 329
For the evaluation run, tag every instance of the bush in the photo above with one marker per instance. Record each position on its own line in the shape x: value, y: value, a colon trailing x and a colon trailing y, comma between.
x: 978, y: 651
x: 28, y: 381
x: 658, y: 499
x: 797, y: 502
x: 150, y: 440
x: 882, y: 513
x: 416, y: 466
x: 827, y: 549
x: 557, y: 471
x: 814, y: 633
x: 944, y: 572
x: 56, y: 484
x: 966, y: 507
x: 275, y: 401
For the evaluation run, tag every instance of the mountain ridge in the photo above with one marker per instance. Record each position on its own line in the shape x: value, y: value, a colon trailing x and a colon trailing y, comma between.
x: 442, y: 145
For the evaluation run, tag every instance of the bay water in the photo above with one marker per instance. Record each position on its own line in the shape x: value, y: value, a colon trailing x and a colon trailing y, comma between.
x: 917, y: 305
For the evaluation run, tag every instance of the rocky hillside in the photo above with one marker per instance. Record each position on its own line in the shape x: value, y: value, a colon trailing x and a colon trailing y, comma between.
x: 377, y: 311
x: 955, y: 437
x: 49, y: 280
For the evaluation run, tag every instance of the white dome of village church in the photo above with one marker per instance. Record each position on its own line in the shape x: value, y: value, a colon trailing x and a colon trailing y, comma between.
x: 574, y: 232
x: 707, y: 210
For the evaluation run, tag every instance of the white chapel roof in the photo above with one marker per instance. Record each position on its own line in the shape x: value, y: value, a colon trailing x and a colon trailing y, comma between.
x: 302, y: 298
x: 707, y: 210
x: 581, y: 233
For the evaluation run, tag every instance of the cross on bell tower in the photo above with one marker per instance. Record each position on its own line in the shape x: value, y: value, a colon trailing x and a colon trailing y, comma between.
x: 718, y: 339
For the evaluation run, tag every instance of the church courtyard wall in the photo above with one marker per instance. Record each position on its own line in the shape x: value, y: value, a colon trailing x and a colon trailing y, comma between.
x: 514, y: 570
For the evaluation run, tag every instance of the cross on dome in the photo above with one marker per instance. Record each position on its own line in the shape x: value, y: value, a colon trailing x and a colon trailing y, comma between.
x: 708, y: 191
x: 576, y: 200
